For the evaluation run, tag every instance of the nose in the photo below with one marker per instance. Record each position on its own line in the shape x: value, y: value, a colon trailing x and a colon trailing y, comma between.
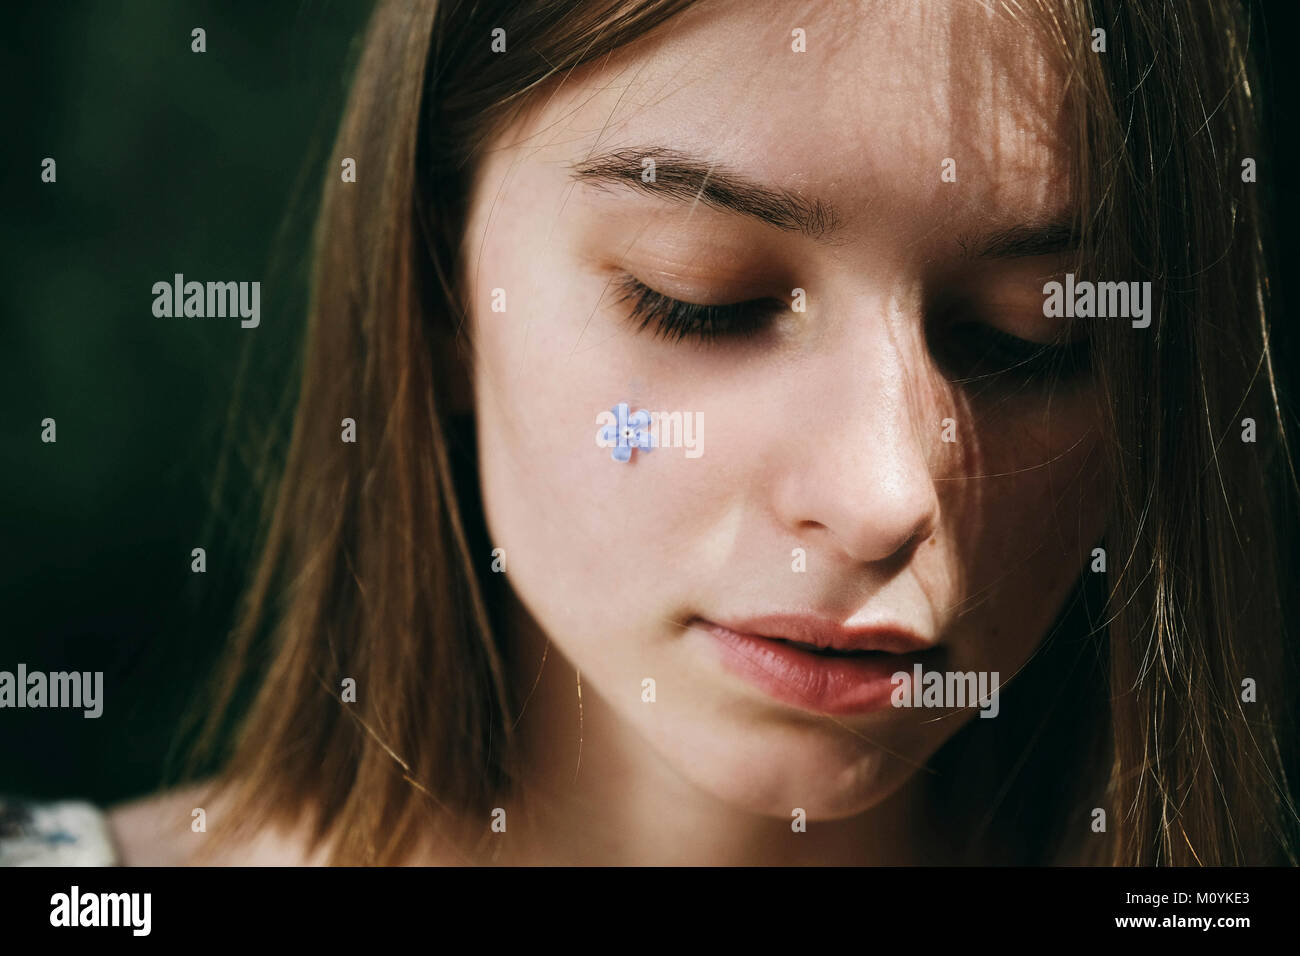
x: 857, y: 478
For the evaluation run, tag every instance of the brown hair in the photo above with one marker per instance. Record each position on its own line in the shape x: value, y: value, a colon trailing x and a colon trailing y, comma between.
x: 370, y: 567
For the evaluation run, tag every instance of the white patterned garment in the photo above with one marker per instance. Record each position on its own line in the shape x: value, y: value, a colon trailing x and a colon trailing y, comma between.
x: 67, y: 833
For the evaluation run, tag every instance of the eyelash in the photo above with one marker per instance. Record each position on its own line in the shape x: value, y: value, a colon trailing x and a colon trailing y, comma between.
x: 676, y: 320
x: 973, y: 352
x: 969, y: 352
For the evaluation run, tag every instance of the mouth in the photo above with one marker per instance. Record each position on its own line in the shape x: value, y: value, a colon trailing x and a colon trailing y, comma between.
x: 826, y: 651
x: 820, y: 665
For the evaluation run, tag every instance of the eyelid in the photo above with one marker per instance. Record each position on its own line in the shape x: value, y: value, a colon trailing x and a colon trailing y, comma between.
x: 1015, y: 359
x: 1010, y: 308
x: 677, y: 319
x: 687, y: 287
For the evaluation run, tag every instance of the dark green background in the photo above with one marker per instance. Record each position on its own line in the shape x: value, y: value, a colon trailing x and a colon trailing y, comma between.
x: 210, y: 165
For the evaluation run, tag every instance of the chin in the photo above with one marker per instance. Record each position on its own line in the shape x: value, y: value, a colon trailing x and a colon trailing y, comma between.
x: 769, y: 768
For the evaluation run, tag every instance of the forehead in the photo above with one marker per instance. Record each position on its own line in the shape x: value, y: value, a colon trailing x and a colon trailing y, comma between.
x: 865, y: 117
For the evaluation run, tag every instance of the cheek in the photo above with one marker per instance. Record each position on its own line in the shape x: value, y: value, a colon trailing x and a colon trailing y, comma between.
x: 591, y: 543
x: 1025, y: 527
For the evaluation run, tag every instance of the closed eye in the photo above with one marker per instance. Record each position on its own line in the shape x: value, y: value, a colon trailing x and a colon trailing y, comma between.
x: 675, y: 320
x: 968, y: 352
x: 971, y: 352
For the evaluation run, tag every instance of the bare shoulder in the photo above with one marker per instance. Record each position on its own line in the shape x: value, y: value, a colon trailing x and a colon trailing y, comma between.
x: 162, y: 830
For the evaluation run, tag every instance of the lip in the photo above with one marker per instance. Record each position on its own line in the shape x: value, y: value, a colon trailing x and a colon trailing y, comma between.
x: 760, y: 651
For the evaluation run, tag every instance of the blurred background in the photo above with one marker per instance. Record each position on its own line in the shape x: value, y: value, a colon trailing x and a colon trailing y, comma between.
x: 209, y: 165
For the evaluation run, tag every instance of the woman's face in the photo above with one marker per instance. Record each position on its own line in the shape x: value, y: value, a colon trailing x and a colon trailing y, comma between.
x: 873, y: 464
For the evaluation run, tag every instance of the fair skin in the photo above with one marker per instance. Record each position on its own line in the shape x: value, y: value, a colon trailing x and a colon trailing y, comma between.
x: 824, y: 427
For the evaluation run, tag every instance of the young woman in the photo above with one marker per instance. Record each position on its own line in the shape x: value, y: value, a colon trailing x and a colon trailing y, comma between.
x: 501, y: 618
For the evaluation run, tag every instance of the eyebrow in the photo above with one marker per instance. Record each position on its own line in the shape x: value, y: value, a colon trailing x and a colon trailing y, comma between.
x: 685, y: 178
x: 1048, y: 238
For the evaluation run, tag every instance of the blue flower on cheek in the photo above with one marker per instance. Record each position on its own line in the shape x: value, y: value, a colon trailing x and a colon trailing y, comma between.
x: 630, y: 431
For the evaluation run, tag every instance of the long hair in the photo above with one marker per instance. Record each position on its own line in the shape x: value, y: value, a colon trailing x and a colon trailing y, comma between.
x: 371, y: 559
